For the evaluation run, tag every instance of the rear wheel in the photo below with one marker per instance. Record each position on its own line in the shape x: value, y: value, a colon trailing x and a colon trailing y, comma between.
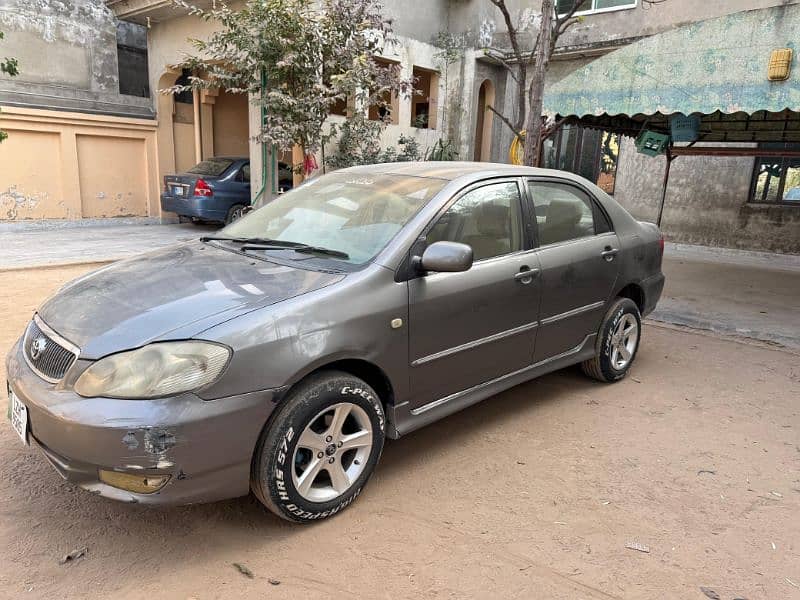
x: 617, y: 342
x: 234, y: 213
x: 320, y: 449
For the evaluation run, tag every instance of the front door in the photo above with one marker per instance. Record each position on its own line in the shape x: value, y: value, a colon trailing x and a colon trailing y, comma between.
x: 578, y: 256
x: 471, y: 327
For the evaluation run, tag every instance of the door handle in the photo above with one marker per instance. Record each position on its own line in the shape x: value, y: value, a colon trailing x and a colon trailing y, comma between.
x: 526, y: 275
x: 609, y: 253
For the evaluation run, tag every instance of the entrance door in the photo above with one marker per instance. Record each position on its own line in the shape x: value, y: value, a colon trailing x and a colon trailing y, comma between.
x: 471, y: 327
x: 579, y: 265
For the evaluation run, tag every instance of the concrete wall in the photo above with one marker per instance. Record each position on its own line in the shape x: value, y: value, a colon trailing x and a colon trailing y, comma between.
x: 67, y: 55
x: 60, y: 165
x: 605, y: 28
x: 706, y: 203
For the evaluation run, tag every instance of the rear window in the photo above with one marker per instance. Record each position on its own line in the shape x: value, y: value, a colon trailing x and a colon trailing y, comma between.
x: 213, y: 167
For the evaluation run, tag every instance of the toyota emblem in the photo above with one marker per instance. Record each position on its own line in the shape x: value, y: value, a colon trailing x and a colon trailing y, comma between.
x: 37, y: 347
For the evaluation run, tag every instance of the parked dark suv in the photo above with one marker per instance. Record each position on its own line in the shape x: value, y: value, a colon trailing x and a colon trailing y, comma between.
x: 277, y: 355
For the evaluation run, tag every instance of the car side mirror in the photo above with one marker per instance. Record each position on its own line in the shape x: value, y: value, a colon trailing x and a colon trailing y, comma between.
x: 445, y: 257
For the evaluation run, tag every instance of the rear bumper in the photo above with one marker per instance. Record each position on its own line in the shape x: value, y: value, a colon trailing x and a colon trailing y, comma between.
x: 192, y: 207
x: 652, y: 287
x: 205, y: 446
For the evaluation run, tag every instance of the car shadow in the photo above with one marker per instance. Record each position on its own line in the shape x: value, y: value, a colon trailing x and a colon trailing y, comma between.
x: 56, y: 510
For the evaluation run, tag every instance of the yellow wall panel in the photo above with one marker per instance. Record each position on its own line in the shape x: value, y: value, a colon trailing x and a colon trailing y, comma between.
x: 231, y: 126
x: 113, y: 176
x: 62, y: 165
x: 30, y: 176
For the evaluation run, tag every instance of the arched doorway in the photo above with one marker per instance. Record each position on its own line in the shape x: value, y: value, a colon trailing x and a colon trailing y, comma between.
x: 483, y: 125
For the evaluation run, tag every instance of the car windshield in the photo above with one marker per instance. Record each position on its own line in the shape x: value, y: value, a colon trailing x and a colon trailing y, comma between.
x: 211, y: 167
x: 356, y: 214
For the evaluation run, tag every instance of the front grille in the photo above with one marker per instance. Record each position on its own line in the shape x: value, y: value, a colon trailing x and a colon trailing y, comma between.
x: 47, y: 353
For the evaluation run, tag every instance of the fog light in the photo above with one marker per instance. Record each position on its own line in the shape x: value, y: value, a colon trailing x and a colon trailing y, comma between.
x: 137, y: 483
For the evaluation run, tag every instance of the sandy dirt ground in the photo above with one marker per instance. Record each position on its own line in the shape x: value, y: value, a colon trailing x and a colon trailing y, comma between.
x: 534, y: 493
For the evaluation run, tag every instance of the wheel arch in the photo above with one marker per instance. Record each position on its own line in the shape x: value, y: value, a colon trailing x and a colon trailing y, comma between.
x: 633, y: 291
x: 365, y: 370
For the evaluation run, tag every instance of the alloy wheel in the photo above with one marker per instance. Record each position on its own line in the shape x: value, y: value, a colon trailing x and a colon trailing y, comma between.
x: 332, y: 452
x: 623, y: 341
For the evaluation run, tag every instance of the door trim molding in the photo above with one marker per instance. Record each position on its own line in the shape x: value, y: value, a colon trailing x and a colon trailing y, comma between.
x: 475, y: 343
x: 573, y: 312
x: 542, y: 363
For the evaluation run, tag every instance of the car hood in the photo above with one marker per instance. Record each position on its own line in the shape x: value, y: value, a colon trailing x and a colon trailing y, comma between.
x: 182, y: 289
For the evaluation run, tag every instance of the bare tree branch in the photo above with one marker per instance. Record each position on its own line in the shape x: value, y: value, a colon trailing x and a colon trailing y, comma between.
x: 512, y: 30
x: 560, y: 20
x: 504, y: 120
x: 505, y: 64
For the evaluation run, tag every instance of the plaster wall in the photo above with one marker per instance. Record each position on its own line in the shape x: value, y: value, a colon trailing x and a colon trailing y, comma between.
x: 67, y: 54
x: 59, y: 165
x: 706, y: 202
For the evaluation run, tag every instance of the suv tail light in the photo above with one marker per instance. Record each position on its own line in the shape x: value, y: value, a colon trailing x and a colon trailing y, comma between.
x: 201, y: 188
x: 661, y: 244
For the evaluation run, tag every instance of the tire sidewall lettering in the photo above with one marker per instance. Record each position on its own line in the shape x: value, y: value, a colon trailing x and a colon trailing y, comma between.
x: 285, y: 497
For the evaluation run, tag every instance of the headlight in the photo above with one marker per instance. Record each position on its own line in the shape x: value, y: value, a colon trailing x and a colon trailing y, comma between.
x: 160, y: 369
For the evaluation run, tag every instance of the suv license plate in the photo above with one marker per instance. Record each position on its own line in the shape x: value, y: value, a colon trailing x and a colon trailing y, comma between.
x: 18, y: 413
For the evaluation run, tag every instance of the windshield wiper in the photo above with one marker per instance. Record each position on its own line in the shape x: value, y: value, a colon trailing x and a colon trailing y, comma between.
x: 254, y: 240
x: 321, y: 250
x: 257, y: 243
x: 297, y: 247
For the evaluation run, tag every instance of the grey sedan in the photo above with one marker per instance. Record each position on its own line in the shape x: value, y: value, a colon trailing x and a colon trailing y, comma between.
x: 276, y: 356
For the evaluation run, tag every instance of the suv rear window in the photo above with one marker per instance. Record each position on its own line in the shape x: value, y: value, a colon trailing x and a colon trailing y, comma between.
x: 212, y: 167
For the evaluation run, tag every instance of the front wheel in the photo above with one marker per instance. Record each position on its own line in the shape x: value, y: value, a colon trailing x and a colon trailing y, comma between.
x: 617, y: 342
x: 320, y: 449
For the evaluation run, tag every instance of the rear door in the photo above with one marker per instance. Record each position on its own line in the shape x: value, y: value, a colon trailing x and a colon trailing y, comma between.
x: 578, y: 260
x: 237, y: 187
x: 469, y: 328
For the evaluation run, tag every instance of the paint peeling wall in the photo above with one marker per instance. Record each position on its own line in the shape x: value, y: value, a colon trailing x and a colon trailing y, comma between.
x: 67, y: 52
x: 58, y: 165
x: 706, y: 202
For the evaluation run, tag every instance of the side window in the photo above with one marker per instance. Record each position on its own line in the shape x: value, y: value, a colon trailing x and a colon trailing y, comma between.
x: 487, y: 218
x: 563, y: 213
x: 244, y: 174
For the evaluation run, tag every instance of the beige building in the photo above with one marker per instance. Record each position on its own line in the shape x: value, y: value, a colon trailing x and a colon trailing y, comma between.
x: 91, y: 136
x: 81, y: 145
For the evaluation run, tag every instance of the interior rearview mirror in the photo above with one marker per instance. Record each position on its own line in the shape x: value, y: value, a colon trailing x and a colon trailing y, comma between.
x: 446, y: 257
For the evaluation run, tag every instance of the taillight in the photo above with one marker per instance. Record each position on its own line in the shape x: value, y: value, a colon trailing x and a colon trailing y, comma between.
x: 201, y: 188
x: 661, y: 244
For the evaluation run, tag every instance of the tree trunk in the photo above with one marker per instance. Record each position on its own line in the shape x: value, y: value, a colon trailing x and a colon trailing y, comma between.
x: 533, y: 125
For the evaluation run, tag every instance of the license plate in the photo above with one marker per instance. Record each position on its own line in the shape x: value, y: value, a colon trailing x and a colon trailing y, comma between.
x: 178, y: 191
x: 18, y: 413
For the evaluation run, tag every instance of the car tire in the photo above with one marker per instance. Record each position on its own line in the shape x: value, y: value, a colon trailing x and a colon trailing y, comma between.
x: 617, y: 342
x: 234, y: 213
x: 306, y: 466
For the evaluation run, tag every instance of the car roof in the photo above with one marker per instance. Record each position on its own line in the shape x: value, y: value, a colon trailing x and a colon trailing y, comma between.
x: 451, y: 170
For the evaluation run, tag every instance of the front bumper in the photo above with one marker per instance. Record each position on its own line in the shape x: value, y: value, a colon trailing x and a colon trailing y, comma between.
x: 191, y: 207
x: 206, y: 446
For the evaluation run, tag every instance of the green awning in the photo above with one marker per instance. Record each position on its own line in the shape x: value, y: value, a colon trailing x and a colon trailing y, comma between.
x: 714, y: 66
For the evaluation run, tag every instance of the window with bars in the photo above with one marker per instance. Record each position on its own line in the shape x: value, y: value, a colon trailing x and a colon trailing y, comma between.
x: 586, y: 7
x: 776, y: 180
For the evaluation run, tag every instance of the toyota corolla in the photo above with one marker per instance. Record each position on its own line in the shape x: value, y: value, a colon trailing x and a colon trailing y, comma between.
x: 277, y: 355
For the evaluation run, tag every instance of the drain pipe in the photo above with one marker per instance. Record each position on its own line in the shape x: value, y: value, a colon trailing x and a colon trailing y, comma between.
x: 264, y: 154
